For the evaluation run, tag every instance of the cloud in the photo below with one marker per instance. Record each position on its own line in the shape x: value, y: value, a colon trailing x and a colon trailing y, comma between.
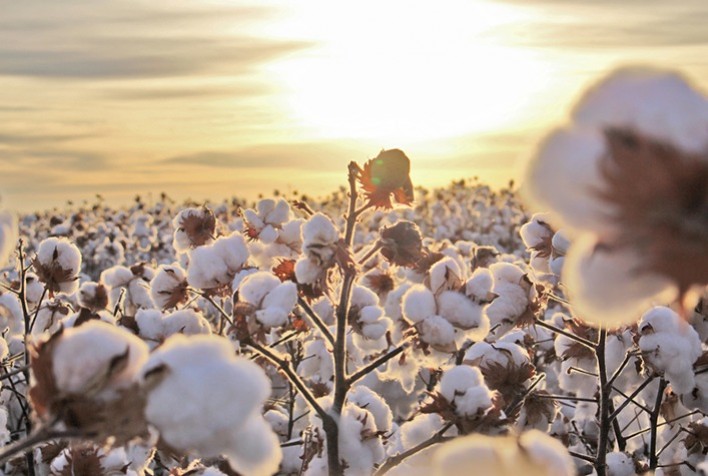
x: 34, y: 159
x: 578, y: 24
x: 19, y: 139
x: 320, y: 157
x: 136, y: 93
x: 143, y: 57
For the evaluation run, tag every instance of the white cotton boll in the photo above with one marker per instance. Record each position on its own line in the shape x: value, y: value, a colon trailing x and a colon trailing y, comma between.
x: 374, y: 324
x: 463, y: 313
x: 479, y: 286
x: 537, y: 453
x: 418, y: 303
x: 620, y: 464
x: 325, y: 309
x: 8, y: 236
x: 474, y: 401
x: 58, y: 265
x: 605, y: 288
x: 291, y: 233
x: 670, y: 347
x: 560, y: 242
x: 420, y: 428
x: 445, y: 275
x: 182, y: 241
x: 11, y: 314
x: 307, y: 271
x: 4, y: 349
x: 233, y: 250
x: 253, y: 218
x: 185, y: 321
x: 458, y: 379
x: 168, y: 281
x: 272, y: 316
x: 278, y: 214
x: 537, y: 231
x: 256, y: 450
x: 83, y: 353
x: 116, y: 276
x: 363, y: 296
x: 4, y: 432
x: 437, y: 331
x: 317, y: 364
x: 254, y: 287
x: 660, y: 104
x: 208, y: 401
x: 207, y: 269
x: 268, y: 234
x: 563, y: 176
x: 150, y: 323
x: 661, y: 319
x: 365, y: 398
x: 697, y: 398
x: 393, y: 305
x: 319, y: 229
x: 284, y: 296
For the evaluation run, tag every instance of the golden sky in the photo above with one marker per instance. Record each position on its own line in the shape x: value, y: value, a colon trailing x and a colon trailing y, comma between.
x: 207, y: 99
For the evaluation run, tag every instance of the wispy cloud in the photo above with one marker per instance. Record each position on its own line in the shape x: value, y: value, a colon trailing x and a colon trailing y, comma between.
x: 325, y: 156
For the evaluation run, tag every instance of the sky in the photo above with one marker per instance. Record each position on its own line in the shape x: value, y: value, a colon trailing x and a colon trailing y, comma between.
x: 209, y: 99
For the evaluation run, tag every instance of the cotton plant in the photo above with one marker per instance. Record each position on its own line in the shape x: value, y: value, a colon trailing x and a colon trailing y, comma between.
x: 447, y: 310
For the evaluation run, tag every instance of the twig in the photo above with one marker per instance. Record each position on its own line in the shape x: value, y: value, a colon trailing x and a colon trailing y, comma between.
x: 40, y: 436
x: 631, y: 397
x: 293, y: 377
x: 12, y: 373
x: 319, y: 323
x: 604, y: 410
x: 377, y: 363
x: 653, y: 419
x: 580, y: 340
x: 399, y: 458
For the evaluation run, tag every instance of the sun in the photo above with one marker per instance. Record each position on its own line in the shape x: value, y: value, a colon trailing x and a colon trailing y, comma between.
x: 404, y: 70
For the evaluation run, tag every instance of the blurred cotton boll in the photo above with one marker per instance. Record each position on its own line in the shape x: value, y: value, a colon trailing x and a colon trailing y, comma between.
x: 8, y: 236
x: 204, y: 400
x: 533, y: 452
x: 627, y: 180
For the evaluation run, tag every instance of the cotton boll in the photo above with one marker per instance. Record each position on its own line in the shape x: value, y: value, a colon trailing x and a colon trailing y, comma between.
x: 479, y: 286
x: 317, y: 363
x: 8, y: 236
x: 620, y: 464
x: 535, y: 452
x: 464, y: 314
x: 169, y: 286
x: 677, y: 113
x: 11, y: 314
x: 418, y: 303
x: 458, y: 379
x: 365, y: 398
x: 58, y: 265
x: 185, y: 321
x: 605, y: 288
x: 319, y: 238
x: 86, y: 352
x: 669, y: 347
x: 438, y: 332
x: 193, y: 227
x: 420, y: 428
x: 307, y: 271
x: 233, y: 250
x: 445, y: 275
x: 206, y: 400
x: 256, y: 286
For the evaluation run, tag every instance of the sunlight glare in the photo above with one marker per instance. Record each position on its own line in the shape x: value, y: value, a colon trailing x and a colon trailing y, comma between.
x: 405, y: 71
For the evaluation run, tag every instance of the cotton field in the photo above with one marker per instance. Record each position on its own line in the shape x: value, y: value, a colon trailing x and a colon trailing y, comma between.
x: 558, y: 329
